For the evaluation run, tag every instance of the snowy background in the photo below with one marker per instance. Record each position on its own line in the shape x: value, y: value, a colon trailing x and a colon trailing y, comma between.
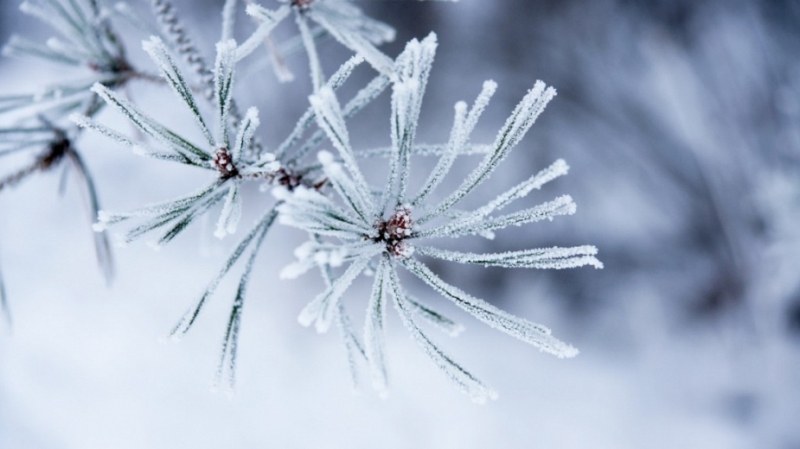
x: 681, y: 121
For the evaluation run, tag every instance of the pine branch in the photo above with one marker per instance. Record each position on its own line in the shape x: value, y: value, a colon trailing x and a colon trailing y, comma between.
x: 356, y: 232
x: 354, y: 228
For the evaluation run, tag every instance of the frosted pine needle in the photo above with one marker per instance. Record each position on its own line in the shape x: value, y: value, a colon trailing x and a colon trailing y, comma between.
x: 386, y: 233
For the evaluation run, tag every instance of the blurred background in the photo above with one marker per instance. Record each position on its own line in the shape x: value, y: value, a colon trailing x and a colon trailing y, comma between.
x: 681, y: 122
